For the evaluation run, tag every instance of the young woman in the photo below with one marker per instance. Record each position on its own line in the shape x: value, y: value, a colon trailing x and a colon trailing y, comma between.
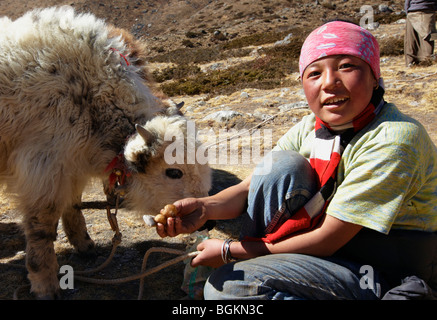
x: 349, y: 208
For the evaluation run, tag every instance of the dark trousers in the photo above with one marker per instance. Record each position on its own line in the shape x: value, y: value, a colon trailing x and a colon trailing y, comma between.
x: 398, y: 255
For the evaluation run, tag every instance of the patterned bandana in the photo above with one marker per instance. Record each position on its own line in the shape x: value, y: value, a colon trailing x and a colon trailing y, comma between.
x: 332, y: 39
x: 338, y: 37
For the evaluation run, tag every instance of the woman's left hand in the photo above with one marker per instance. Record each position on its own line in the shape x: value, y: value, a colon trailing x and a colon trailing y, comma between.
x: 210, y: 254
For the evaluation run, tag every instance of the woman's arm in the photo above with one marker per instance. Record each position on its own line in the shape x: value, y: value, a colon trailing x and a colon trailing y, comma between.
x: 322, y: 241
x: 194, y: 212
x: 325, y: 240
x: 229, y: 203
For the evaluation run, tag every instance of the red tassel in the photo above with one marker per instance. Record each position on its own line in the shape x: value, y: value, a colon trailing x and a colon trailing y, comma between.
x: 119, y: 172
x: 121, y: 55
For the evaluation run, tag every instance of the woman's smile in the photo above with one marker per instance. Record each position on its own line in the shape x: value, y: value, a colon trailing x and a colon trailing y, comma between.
x: 335, y: 102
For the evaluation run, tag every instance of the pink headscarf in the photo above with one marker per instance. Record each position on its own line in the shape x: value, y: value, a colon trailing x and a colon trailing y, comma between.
x: 338, y: 37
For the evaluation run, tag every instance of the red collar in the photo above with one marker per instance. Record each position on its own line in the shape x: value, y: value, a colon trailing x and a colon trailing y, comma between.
x: 119, y: 171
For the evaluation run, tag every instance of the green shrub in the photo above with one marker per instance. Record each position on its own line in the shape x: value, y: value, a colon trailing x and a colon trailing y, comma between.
x: 263, y: 73
x: 176, y: 73
x: 266, y: 72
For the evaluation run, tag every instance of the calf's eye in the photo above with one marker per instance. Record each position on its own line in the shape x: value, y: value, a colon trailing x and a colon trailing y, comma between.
x: 174, y: 173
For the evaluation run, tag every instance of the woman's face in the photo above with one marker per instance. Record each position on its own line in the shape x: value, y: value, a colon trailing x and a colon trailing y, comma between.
x: 338, y: 88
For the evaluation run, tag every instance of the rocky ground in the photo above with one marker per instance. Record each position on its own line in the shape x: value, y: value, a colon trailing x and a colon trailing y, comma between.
x: 164, y: 26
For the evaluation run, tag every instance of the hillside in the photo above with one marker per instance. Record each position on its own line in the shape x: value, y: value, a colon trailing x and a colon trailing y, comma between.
x: 215, y: 55
x: 166, y: 22
x: 204, y: 49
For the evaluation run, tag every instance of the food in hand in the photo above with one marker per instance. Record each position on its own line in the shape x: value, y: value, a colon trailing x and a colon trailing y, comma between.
x: 169, y: 211
x: 160, y: 218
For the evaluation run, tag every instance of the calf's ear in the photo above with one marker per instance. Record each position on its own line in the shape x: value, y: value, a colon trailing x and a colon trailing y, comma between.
x: 137, y: 153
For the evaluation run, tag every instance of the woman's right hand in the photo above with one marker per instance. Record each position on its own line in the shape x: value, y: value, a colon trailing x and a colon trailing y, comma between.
x: 191, y: 216
x: 194, y: 212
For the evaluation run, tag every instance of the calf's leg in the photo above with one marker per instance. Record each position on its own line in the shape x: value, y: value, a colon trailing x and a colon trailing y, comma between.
x: 74, y: 225
x: 40, y: 227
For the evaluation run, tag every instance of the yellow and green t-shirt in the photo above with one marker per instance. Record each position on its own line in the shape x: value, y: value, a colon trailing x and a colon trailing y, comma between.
x: 387, y: 177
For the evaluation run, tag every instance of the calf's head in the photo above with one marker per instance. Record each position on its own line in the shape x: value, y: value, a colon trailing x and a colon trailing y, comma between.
x: 162, y: 164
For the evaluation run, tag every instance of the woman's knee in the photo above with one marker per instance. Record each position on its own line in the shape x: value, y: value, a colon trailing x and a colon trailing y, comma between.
x: 280, y: 161
x: 216, y: 286
x: 288, y: 184
x: 232, y: 281
x: 247, y: 279
x: 285, y: 167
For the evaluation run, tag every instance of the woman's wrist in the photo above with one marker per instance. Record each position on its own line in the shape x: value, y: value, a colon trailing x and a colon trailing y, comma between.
x: 247, y: 249
x: 226, y: 252
x: 207, y: 204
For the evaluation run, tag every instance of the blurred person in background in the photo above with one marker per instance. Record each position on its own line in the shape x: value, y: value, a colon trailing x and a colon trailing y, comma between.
x: 420, y: 27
